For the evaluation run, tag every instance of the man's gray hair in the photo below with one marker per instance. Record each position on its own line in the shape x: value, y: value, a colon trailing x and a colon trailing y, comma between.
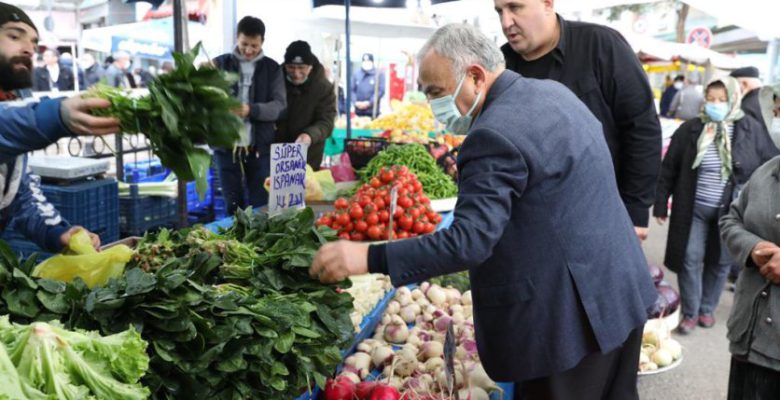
x: 464, y: 45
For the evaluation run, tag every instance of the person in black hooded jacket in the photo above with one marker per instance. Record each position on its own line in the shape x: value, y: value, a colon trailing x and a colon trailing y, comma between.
x: 311, y: 102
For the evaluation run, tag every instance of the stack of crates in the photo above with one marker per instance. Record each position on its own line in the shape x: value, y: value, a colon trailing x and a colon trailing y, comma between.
x: 220, y: 208
x: 140, y: 214
x: 93, y: 204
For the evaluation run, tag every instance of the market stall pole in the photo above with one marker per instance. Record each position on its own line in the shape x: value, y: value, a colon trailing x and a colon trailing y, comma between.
x: 348, y: 88
x: 180, y: 45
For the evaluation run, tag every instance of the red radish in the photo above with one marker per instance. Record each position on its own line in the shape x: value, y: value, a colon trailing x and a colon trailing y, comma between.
x: 363, y: 389
x: 339, y: 389
x: 383, y: 392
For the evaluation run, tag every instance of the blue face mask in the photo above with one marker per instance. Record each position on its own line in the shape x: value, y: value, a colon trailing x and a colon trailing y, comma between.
x: 716, y: 111
x: 446, y: 111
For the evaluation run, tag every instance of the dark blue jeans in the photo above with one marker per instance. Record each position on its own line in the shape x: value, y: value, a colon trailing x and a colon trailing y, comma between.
x: 242, y: 179
x: 701, y: 285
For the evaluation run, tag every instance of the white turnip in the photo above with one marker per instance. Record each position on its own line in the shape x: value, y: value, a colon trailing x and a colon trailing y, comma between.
x: 465, y: 298
x: 436, y: 295
x: 393, y: 307
x: 381, y: 356
x: 431, y: 350
x: 396, y: 331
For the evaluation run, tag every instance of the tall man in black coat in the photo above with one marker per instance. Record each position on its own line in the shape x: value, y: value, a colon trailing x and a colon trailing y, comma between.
x: 559, y: 281
x: 599, y: 66
x: 750, y: 85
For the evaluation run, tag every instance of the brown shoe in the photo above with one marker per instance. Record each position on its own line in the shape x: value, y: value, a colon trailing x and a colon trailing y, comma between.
x: 706, y: 321
x: 687, y: 325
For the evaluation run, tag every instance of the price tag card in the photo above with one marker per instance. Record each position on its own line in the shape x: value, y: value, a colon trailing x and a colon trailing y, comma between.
x: 288, y: 175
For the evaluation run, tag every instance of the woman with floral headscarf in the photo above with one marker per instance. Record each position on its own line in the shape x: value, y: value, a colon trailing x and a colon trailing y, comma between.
x: 709, y: 159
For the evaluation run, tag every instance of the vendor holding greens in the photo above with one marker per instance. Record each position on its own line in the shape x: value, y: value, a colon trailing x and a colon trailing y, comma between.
x: 311, y: 103
x: 539, y: 223
x: 243, y: 169
x: 26, y: 127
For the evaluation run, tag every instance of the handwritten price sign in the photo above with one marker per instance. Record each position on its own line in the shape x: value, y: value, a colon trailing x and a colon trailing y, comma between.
x: 288, y: 174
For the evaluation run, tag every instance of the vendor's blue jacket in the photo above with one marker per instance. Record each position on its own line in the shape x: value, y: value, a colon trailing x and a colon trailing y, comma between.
x: 24, y: 128
x: 556, y: 269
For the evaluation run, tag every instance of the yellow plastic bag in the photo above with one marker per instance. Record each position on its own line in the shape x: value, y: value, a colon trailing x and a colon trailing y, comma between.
x: 94, y: 268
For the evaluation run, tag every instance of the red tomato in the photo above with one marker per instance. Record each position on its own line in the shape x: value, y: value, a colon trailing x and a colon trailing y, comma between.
x: 372, y: 219
x: 403, y: 171
x: 374, y: 233
x: 369, y: 208
x: 399, y: 212
x: 405, y: 202
x: 344, y: 236
x: 384, y: 216
x: 419, y: 227
x: 415, y: 213
x: 364, y: 200
x: 349, y: 227
x: 417, y: 186
x: 343, y: 219
x: 325, y: 220
x: 361, y: 226
x: 357, y: 237
x: 335, y: 226
x: 341, y: 203
x: 405, y: 222
x: 438, y: 219
x: 403, y: 235
x: 356, y: 212
x: 431, y: 215
x: 425, y: 200
x: 379, y: 203
x: 387, y: 200
x: 430, y: 228
x: 387, y: 176
x: 375, y: 183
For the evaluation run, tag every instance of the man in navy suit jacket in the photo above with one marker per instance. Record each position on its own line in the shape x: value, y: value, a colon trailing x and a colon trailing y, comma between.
x: 559, y: 281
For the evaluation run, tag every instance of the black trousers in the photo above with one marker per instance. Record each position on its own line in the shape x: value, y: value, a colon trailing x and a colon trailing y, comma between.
x: 610, y: 376
x: 242, y: 177
x: 752, y: 382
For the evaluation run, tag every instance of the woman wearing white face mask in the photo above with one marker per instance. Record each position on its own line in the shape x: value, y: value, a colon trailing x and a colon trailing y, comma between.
x: 708, y: 159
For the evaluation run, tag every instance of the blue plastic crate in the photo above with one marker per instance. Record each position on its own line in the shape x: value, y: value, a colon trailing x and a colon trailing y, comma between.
x: 142, y: 170
x: 139, y: 214
x: 194, y: 203
x: 25, y: 248
x: 220, y: 209
x: 92, y: 204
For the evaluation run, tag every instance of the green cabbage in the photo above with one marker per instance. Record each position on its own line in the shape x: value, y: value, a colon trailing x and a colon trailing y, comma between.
x: 42, y: 361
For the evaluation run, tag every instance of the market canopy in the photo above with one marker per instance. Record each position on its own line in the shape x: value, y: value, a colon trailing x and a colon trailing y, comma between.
x: 152, y: 39
x: 652, y: 49
x: 758, y: 16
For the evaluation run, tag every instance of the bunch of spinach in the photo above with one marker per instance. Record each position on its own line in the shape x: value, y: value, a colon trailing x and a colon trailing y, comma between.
x: 187, y: 107
x: 228, y: 316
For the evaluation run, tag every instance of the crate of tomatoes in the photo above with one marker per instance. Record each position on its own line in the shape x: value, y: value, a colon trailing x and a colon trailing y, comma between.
x: 366, y: 215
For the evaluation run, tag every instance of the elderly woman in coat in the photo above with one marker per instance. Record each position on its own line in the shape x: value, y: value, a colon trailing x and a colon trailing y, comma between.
x: 751, y: 232
x: 709, y: 159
